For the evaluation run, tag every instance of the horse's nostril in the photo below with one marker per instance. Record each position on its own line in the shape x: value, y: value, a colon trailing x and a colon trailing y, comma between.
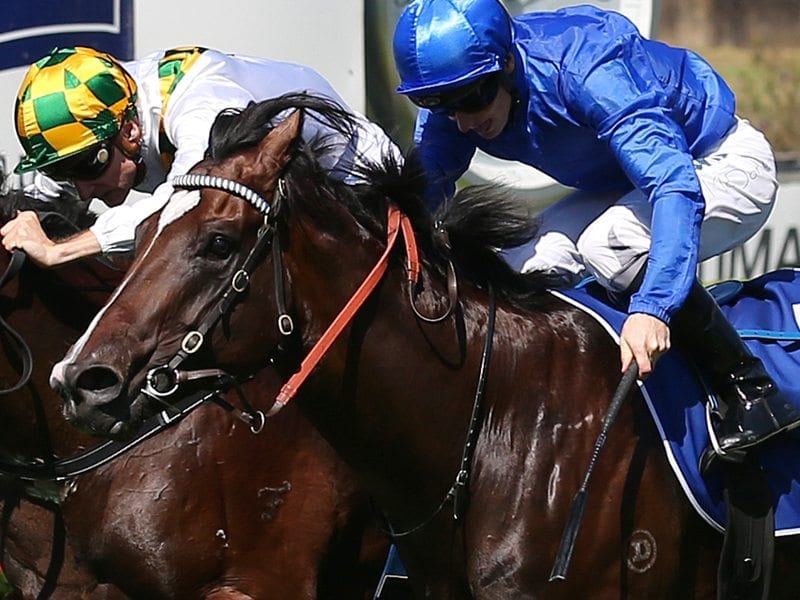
x: 96, y: 378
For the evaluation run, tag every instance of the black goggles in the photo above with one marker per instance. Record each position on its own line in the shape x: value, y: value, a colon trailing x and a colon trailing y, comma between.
x: 84, y: 166
x: 469, y: 98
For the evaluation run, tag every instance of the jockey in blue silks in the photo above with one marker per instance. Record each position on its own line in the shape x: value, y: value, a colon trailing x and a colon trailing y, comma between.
x: 649, y: 138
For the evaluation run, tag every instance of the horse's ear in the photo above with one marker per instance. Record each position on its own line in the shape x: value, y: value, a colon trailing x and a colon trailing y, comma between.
x: 278, y: 144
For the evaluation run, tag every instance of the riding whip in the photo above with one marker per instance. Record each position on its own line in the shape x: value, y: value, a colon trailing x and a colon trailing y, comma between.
x: 579, y: 501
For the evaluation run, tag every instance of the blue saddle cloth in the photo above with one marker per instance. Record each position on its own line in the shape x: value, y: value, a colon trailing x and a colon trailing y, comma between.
x: 766, y: 312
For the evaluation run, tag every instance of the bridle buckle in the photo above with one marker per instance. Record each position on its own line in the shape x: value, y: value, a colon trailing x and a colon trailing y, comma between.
x: 285, y: 324
x: 161, y: 382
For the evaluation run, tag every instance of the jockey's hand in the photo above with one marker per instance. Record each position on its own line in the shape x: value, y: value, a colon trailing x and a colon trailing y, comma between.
x: 26, y: 233
x: 644, y: 338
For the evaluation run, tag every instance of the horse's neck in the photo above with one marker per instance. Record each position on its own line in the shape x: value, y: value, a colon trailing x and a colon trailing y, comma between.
x: 394, y: 399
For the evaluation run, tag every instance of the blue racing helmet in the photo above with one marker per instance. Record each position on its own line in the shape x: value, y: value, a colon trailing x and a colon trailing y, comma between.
x: 441, y: 44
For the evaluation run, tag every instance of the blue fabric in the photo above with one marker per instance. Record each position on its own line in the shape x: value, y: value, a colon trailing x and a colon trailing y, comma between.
x: 442, y: 44
x: 601, y: 108
x: 675, y: 395
x: 393, y: 569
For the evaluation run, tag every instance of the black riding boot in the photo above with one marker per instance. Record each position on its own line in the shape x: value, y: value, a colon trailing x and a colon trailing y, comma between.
x: 752, y: 408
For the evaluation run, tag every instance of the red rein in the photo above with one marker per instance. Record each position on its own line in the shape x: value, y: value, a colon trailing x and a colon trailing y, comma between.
x: 397, y: 222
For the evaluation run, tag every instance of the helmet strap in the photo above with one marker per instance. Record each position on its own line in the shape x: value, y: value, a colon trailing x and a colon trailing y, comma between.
x: 132, y: 149
x: 505, y: 77
x: 141, y: 168
x: 506, y: 81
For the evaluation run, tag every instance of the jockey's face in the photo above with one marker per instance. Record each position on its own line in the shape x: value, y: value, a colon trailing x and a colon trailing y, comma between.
x: 116, y: 181
x: 489, y: 122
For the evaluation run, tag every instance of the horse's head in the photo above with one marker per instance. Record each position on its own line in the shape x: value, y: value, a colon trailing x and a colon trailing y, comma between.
x: 205, y: 296
x: 192, y: 266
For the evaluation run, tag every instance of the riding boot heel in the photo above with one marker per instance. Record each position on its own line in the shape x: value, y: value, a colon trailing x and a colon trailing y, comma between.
x: 756, y: 410
x: 752, y: 408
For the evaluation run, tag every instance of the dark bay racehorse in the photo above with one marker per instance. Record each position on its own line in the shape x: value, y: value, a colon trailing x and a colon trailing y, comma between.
x: 204, y: 509
x: 394, y: 391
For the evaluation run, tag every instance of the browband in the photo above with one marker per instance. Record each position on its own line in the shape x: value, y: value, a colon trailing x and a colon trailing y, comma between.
x: 193, y: 181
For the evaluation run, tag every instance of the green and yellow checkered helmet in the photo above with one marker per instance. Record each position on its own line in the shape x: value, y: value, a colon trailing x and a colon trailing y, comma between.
x: 70, y: 100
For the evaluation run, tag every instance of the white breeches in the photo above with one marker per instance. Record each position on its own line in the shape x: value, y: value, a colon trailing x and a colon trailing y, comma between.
x: 608, y: 236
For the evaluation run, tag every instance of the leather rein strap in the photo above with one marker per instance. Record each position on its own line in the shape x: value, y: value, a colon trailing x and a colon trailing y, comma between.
x: 397, y: 222
x: 63, y: 469
x: 23, y: 351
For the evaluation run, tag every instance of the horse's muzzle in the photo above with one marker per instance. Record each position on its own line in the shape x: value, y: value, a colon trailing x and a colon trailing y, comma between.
x: 94, y: 399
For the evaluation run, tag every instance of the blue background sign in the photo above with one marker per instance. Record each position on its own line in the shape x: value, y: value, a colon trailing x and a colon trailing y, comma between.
x: 31, y: 28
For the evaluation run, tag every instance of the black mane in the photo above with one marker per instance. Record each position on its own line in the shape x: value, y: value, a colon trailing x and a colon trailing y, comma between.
x: 237, y: 129
x: 469, y: 228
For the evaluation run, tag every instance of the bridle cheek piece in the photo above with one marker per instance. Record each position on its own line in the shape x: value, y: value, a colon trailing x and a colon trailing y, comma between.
x: 164, y: 381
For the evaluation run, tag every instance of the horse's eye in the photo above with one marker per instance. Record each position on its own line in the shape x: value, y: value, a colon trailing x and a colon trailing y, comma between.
x: 220, y: 246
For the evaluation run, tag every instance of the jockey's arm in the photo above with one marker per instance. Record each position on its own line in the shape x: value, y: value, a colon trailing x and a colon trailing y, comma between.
x: 25, y: 232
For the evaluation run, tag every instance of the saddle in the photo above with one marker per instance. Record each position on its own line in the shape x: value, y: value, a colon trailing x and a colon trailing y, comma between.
x: 754, y: 501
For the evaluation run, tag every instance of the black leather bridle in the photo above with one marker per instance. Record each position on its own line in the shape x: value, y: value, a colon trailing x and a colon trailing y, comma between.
x: 164, y: 381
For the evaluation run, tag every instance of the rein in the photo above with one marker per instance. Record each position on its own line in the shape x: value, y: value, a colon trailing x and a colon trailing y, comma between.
x: 397, y: 221
x: 23, y: 350
x: 458, y: 491
x: 90, y: 459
